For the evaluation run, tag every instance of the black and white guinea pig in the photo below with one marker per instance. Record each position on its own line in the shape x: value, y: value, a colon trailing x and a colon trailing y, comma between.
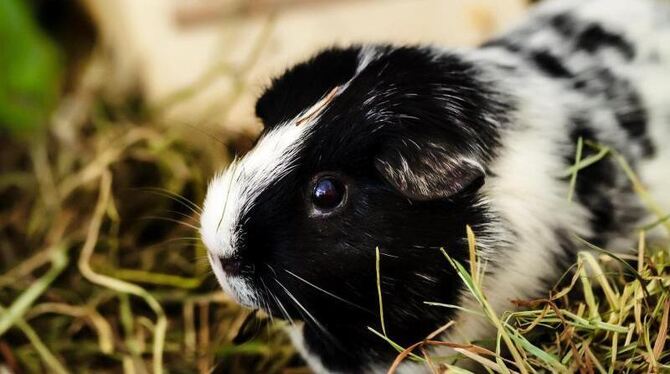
x: 399, y: 148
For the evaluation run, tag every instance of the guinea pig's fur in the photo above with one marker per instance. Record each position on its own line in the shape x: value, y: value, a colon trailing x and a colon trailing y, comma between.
x: 422, y: 141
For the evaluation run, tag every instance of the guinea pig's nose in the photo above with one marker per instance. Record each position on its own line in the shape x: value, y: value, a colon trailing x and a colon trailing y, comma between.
x: 231, y: 265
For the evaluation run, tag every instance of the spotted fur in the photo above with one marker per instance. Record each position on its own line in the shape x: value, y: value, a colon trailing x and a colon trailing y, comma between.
x: 429, y: 140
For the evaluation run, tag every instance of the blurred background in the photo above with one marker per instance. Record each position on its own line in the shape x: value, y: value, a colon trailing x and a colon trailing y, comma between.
x: 113, y: 116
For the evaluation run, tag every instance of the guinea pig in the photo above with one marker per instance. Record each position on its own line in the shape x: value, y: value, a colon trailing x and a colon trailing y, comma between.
x: 399, y: 148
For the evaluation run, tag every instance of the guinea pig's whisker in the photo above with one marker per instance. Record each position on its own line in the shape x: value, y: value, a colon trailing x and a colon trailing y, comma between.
x: 267, y: 308
x: 272, y: 269
x: 180, y: 214
x: 327, y: 292
x: 208, y: 133
x: 425, y: 247
x: 184, y: 238
x: 233, y: 169
x: 184, y: 201
x: 272, y: 296
x: 172, y: 220
x: 297, y: 303
x: 181, y: 239
x: 282, y: 309
x: 265, y: 301
x: 203, y: 261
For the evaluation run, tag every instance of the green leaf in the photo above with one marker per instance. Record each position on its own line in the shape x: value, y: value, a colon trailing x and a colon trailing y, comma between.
x: 30, y: 69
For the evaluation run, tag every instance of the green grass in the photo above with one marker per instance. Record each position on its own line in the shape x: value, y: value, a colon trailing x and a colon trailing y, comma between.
x: 101, y: 267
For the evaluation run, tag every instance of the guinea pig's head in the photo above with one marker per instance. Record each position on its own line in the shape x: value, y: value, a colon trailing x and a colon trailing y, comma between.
x: 363, y: 148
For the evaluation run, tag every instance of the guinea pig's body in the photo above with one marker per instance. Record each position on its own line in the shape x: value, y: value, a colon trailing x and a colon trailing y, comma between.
x: 401, y: 147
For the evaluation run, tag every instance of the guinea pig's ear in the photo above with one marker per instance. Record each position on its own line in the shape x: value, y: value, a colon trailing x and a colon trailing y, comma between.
x: 427, y: 171
x: 305, y: 84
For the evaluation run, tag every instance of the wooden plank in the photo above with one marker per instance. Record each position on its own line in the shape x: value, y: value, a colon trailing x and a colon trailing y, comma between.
x: 207, y: 52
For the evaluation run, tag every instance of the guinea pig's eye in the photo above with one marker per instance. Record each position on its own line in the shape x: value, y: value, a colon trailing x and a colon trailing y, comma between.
x: 328, y: 193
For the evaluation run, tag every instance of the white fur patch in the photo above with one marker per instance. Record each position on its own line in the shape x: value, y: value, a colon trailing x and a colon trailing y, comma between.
x: 233, y: 192
x: 234, y: 285
x: 295, y: 333
x: 367, y: 54
x: 526, y: 195
x: 524, y: 190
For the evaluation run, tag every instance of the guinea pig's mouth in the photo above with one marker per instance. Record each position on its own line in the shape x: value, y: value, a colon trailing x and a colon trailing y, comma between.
x: 233, y: 282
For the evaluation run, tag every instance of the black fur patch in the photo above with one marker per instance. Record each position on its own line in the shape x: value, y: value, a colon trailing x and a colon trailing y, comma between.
x: 632, y: 117
x: 595, y: 183
x: 626, y: 103
x: 590, y: 37
x: 603, y: 188
x: 402, y: 100
x: 505, y: 43
x: 595, y: 37
x: 564, y: 24
x: 284, y: 101
x: 550, y: 64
